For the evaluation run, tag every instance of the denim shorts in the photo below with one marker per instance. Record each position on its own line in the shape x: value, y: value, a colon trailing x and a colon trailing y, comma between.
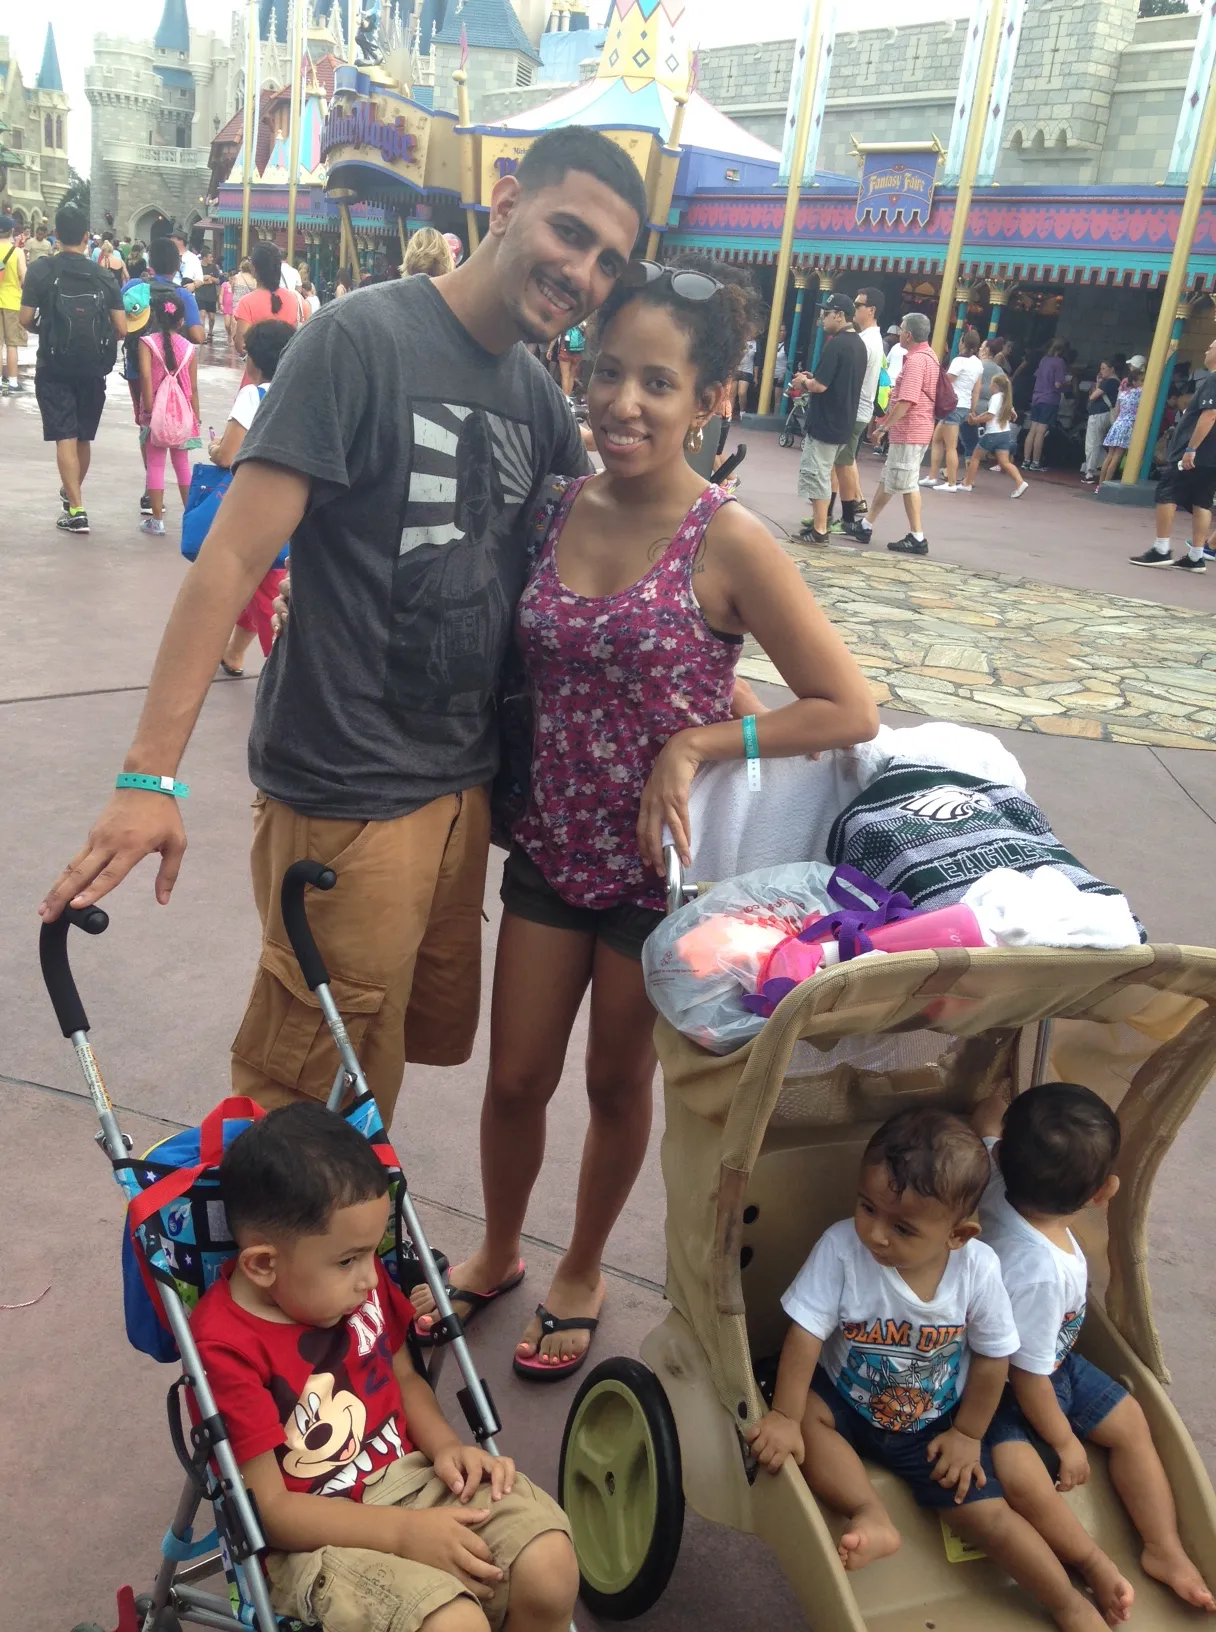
x: 1043, y: 413
x: 956, y: 416
x: 1086, y: 1396
x: 998, y: 441
x: 907, y: 1453
x: 968, y: 439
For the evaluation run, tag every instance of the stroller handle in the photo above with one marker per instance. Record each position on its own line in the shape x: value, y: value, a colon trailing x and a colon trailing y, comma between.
x: 57, y: 971
x: 295, y: 917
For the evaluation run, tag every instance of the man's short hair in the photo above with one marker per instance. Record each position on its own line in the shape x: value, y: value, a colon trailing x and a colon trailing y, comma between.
x: 179, y: 235
x: 552, y: 156
x: 873, y: 298
x: 291, y: 1170
x: 1059, y: 1145
x: 71, y: 224
x: 164, y: 257
x: 917, y: 325
x: 933, y: 1154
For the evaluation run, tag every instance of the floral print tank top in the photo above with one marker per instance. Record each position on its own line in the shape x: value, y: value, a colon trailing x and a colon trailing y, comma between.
x: 612, y: 678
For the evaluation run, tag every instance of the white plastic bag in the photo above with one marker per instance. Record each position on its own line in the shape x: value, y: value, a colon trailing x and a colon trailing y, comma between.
x: 701, y: 960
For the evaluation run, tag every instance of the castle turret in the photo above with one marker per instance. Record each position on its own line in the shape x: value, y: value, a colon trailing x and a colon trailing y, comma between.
x: 50, y: 102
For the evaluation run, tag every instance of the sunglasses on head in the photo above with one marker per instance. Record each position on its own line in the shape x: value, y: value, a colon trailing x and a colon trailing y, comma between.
x: 688, y: 285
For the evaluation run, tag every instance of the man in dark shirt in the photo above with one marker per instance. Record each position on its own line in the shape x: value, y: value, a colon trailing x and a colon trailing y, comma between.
x: 405, y: 440
x: 1099, y: 411
x: 1188, y: 481
x: 835, y: 389
x: 71, y: 386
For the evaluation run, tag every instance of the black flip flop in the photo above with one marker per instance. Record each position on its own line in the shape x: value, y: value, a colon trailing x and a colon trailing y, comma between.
x: 537, y: 1370
x: 476, y: 1301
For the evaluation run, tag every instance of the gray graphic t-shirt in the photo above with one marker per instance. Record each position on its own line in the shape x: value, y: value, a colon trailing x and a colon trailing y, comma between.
x: 424, y: 452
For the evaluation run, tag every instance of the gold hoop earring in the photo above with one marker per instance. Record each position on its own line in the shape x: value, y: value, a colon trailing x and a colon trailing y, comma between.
x: 695, y: 439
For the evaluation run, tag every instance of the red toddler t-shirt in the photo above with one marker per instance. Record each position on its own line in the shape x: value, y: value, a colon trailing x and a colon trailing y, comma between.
x: 325, y: 1400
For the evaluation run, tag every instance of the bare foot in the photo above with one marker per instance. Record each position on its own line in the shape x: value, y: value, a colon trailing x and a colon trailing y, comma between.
x: 480, y: 1273
x: 568, y: 1296
x: 1078, y: 1614
x: 869, y: 1537
x: 1113, y: 1594
x: 1174, y: 1569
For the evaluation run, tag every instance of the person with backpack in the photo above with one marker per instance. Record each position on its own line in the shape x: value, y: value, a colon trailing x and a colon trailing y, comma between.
x: 168, y: 379
x: 909, y: 427
x: 80, y: 322
x: 12, y: 276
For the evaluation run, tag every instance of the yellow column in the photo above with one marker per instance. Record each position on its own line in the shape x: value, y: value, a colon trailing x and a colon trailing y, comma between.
x: 665, y: 186
x: 1171, y: 295
x: 468, y: 180
x: 980, y: 98
x: 293, y: 163
x: 802, y: 131
x: 404, y: 241
x: 348, y: 239
x: 251, y: 126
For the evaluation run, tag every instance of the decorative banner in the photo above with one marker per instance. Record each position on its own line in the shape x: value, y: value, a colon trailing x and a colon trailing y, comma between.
x: 827, y: 46
x: 1198, y: 88
x: 1002, y: 83
x: 968, y: 74
x: 897, y: 184
x: 382, y: 131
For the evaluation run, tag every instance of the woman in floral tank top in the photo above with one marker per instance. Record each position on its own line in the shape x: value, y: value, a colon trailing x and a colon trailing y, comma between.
x: 646, y: 581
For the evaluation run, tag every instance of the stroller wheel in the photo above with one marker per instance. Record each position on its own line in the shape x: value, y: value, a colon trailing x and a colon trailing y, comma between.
x: 620, y: 1482
x: 167, y: 1621
x: 785, y: 440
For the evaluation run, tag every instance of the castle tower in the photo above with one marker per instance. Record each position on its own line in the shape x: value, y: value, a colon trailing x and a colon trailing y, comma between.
x: 172, y: 66
x: 49, y: 102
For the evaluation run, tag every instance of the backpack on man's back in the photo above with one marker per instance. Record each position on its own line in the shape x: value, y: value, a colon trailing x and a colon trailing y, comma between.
x: 74, y: 328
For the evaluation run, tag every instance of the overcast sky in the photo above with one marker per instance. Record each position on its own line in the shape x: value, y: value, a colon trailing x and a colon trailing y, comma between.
x: 709, y: 22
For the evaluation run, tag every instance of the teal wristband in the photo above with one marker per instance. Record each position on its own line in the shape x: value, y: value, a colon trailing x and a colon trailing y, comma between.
x: 152, y: 784
x: 751, y: 748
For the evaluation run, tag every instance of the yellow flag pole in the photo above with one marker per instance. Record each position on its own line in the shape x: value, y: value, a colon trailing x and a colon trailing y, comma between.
x: 297, y: 99
x: 802, y: 131
x: 251, y: 111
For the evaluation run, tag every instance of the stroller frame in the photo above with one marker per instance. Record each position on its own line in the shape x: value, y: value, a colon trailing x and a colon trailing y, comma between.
x: 237, y: 1539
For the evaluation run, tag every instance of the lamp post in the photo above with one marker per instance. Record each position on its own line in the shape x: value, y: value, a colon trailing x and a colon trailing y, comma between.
x: 801, y: 279
x: 802, y: 131
x: 251, y: 111
x: 1171, y: 295
x: 665, y: 184
x: 468, y: 178
x: 980, y: 98
x: 998, y: 293
x: 297, y: 100
x: 1186, y: 307
x: 824, y: 282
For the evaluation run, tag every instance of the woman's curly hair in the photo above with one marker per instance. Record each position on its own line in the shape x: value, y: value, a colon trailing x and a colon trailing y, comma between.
x: 718, y: 329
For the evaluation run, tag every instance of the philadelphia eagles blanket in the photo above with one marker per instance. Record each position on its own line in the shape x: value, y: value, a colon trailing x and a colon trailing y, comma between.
x: 931, y: 833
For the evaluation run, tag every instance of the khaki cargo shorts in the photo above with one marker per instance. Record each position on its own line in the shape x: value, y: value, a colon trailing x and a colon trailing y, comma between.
x: 350, y: 1589
x: 400, y: 934
x: 11, y: 332
x: 901, y: 473
x: 815, y: 469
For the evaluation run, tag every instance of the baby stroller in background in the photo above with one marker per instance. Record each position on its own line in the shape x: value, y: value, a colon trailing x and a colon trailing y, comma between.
x: 794, y: 428
x: 760, y: 1154
x: 182, y: 1254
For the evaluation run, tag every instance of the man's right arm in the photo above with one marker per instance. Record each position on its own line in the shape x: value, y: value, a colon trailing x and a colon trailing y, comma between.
x: 263, y: 507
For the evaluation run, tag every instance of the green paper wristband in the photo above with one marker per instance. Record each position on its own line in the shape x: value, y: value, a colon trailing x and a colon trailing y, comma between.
x: 751, y: 748
x: 152, y: 784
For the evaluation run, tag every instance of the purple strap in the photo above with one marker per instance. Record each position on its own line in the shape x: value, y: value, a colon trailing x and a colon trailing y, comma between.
x: 865, y: 905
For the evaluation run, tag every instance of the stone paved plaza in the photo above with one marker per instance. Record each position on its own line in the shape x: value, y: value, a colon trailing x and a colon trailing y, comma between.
x: 1012, y: 597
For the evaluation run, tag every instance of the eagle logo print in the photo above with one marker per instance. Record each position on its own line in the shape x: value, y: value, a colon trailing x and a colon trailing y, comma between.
x: 946, y: 804
x: 471, y: 473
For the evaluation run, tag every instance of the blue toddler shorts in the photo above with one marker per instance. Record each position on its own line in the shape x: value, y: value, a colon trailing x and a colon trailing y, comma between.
x: 1086, y: 1396
x: 906, y: 1453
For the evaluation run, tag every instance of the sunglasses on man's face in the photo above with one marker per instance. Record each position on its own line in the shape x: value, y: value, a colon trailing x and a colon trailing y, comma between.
x: 688, y: 285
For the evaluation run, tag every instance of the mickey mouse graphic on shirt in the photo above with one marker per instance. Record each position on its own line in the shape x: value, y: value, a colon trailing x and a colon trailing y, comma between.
x: 336, y: 1438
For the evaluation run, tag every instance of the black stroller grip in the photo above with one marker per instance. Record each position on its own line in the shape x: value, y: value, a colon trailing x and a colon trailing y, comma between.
x: 57, y: 971
x: 295, y: 917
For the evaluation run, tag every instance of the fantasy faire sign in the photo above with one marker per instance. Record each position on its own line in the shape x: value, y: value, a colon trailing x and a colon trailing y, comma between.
x: 386, y: 132
x: 896, y: 184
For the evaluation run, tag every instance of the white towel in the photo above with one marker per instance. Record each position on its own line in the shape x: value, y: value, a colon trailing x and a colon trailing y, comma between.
x: 1044, y: 908
x: 952, y: 747
x: 735, y: 831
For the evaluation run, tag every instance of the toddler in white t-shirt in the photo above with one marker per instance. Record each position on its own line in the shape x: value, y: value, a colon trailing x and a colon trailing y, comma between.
x: 1056, y: 1156
x: 899, y: 1349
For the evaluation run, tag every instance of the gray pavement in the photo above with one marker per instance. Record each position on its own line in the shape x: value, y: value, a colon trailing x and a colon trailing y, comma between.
x: 91, y: 1476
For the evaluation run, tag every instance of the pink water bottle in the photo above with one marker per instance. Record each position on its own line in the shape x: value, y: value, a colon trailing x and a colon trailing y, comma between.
x: 947, y: 926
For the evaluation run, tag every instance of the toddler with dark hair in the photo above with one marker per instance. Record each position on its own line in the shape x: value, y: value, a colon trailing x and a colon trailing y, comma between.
x: 899, y: 1350
x: 377, y: 1513
x: 1055, y: 1156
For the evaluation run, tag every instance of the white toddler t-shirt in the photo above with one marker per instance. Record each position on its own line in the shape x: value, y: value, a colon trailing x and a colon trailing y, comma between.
x: 1046, y: 1285
x: 900, y: 1360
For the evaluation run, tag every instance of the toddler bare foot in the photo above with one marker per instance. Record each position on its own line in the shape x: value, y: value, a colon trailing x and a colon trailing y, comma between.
x: 1174, y: 1569
x: 1113, y: 1594
x: 1078, y: 1614
x: 869, y: 1537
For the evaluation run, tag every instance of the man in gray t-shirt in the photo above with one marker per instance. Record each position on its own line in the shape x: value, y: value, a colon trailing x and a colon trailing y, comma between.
x: 407, y: 433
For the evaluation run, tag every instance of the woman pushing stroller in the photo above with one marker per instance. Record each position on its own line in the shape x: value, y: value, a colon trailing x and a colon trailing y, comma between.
x: 647, y: 581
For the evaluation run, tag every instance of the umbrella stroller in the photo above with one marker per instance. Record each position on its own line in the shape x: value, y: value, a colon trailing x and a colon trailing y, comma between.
x: 794, y: 428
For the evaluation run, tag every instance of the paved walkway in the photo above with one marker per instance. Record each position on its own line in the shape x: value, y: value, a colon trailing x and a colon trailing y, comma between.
x: 92, y: 1478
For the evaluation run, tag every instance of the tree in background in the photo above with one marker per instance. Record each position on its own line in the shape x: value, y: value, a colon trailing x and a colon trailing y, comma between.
x: 78, y: 192
x: 1163, y: 8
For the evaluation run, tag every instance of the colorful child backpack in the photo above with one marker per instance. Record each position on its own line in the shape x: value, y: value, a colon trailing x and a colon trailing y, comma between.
x: 882, y: 392
x: 176, y: 1229
x: 171, y: 424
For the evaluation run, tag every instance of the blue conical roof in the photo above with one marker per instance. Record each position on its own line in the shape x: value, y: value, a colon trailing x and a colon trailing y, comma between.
x: 173, y: 32
x: 49, y: 77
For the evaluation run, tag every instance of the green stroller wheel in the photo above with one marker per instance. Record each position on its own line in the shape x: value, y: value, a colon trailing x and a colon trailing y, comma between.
x: 619, y: 1480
